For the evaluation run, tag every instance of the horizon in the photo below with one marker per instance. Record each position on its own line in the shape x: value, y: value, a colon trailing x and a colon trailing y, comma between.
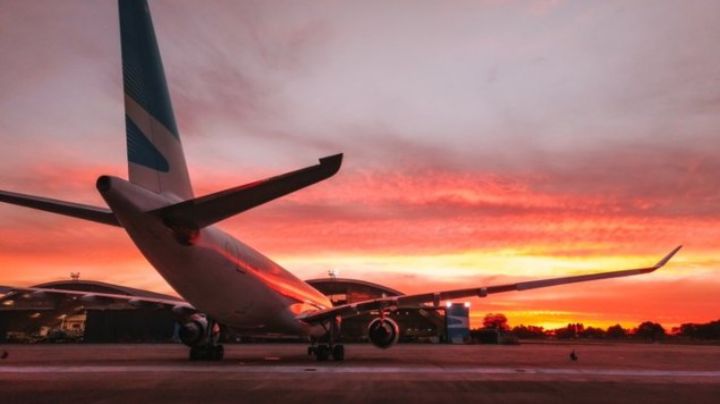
x: 484, y: 143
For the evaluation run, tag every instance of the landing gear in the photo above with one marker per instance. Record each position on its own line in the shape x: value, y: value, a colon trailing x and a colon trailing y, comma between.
x: 210, y: 350
x: 324, y: 351
x: 338, y: 352
x: 207, y: 353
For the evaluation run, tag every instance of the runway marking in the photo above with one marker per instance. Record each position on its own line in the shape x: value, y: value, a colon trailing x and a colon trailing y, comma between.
x: 360, y: 369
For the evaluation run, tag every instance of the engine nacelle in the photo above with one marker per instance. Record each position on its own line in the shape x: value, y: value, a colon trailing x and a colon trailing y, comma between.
x: 383, y: 332
x: 193, y: 332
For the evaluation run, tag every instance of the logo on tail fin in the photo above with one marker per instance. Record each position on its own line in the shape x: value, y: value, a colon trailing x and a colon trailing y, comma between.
x: 155, y: 154
x: 141, y: 150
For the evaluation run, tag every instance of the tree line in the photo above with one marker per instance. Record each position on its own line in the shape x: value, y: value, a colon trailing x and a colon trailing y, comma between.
x: 646, y: 330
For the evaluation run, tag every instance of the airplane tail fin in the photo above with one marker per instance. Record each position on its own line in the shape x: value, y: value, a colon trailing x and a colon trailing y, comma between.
x: 155, y: 156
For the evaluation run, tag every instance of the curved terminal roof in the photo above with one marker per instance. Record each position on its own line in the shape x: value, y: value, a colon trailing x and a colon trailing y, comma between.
x: 103, y: 287
x: 355, y: 289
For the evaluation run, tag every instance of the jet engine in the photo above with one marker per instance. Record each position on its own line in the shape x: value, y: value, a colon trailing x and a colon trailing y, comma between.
x: 193, y: 332
x: 383, y: 332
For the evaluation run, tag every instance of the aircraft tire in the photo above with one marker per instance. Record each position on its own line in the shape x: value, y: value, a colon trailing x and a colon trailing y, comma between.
x: 218, y: 352
x: 338, y: 352
x: 322, y: 353
x: 195, y: 354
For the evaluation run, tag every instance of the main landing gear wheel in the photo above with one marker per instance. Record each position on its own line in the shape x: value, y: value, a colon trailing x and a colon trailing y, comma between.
x: 207, y: 347
x: 323, y: 352
x: 338, y: 352
x: 218, y: 352
x: 207, y: 353
x: 329, y: 348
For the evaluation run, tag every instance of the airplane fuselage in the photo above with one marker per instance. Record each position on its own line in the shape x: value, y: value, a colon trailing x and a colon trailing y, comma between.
x: 248, y: 291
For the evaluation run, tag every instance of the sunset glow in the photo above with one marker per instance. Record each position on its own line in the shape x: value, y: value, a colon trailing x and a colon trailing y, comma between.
x: 485, y: 143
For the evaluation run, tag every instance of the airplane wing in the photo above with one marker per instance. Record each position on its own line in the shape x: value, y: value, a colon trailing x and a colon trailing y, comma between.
x: 206, y: 210
x: 178, y: 306
x: 394, y: 302
x: 77, y: 210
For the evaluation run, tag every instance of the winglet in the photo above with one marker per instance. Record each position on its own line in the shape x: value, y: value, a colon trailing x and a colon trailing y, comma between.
x: 667, y: 258
x: 333, y: 162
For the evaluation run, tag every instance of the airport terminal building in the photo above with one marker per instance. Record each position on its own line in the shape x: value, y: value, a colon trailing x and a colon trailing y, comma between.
x: 38, y: 317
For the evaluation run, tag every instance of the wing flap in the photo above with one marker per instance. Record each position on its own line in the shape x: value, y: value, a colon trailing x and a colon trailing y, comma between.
x: 352, y: 309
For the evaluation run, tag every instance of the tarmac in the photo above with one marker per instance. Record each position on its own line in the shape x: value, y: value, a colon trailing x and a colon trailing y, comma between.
x: 280, y: 373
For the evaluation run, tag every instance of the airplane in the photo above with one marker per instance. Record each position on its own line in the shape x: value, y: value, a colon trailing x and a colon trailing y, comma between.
x: 221, y: 280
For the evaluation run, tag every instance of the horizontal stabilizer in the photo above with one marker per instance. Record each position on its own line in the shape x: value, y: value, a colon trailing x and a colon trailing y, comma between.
x: 77, y: 210
x: 206, y: 210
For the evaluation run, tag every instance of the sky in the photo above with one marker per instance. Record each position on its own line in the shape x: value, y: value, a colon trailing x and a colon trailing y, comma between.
x: 485, y: 142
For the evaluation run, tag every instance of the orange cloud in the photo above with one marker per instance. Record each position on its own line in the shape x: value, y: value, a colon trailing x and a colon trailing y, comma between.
x: 423, y: 232
x: 508, y: 157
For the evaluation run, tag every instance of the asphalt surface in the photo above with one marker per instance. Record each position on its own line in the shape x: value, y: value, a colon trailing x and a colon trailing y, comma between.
x: 529, y: 373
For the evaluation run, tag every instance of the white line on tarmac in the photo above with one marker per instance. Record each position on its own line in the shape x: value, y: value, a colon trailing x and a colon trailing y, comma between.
x: 360, y: 369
